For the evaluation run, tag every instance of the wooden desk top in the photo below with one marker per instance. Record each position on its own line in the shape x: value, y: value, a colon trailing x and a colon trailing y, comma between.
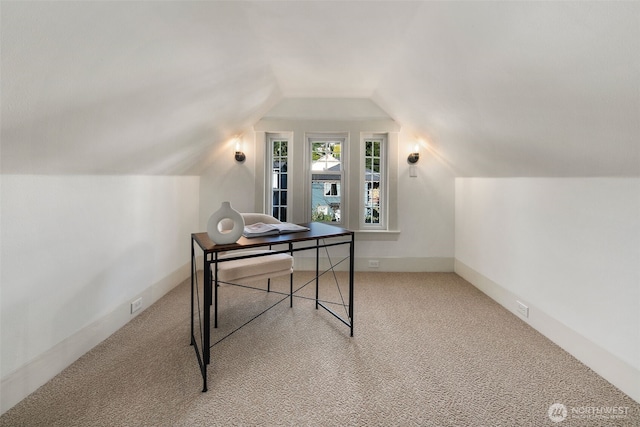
x: 317, y: 230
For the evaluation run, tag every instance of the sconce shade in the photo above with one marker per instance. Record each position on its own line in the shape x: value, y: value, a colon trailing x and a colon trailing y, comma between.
x: 240, y: 157
x: 413, y: 158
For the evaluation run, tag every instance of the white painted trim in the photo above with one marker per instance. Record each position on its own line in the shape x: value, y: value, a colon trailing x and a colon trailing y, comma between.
x: 427, y: 264
x: 616, y: 371
x: 28, y: 378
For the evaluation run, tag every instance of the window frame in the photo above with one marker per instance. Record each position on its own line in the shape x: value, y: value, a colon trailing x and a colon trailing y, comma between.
x: 383, y: 188
x: 343, y: 139
x: 270, y: 139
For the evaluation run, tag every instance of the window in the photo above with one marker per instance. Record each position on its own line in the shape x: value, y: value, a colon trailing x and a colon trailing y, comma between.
x: 339, y: 172
x: 326, y: 177
x: 374, y: 183
x: 331, y: 189
x: 278, y: 147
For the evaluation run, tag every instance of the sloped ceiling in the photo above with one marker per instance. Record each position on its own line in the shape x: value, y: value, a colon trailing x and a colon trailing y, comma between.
x: 496, y: 88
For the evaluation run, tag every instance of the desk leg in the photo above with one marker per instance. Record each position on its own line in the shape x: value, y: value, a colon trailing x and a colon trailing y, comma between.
x: 193, y: 255
x: 269, y: 278
x: 291, y: 279
x: 317, y: 272
x: 207, y: 314
x: 351, y: 265
x: 215, y: 293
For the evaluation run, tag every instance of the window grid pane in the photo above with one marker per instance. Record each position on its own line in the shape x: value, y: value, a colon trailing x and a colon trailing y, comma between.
x: 279, y: 179
x: 372, y: 182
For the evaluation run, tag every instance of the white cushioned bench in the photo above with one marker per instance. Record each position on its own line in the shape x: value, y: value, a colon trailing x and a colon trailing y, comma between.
x: 254, y: 268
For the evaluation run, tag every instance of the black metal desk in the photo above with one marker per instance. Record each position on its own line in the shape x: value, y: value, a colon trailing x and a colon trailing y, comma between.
x: 320, y: 235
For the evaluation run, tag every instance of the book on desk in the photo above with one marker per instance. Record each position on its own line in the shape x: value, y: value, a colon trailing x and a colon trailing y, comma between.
x: 260, y: 229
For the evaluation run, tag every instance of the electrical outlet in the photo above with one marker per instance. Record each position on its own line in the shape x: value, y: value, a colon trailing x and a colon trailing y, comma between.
x: 374, y: 263
x: 136, y: 305
x: 523, y: 309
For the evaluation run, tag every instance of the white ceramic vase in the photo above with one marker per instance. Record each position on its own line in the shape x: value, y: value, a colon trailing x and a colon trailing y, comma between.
x: 226, y: 212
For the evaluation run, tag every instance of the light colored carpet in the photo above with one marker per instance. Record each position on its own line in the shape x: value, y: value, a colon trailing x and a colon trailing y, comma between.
x: 429, y: 350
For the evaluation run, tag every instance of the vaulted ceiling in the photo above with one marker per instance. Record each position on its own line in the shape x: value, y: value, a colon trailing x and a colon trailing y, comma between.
x: 496, y: 88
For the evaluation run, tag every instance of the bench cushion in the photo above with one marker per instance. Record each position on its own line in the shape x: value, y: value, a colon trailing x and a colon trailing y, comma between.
x: 253, y: 268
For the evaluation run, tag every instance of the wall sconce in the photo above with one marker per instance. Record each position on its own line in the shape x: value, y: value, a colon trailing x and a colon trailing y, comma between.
x: 240, y: 157
x: 414, y: 156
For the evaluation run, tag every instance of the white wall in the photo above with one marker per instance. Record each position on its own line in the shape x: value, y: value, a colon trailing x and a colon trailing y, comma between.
x: 425, y: 217
x: 423, y: 238
x: 570, y: 249
x: 76, y: 250
x: 227, y: 180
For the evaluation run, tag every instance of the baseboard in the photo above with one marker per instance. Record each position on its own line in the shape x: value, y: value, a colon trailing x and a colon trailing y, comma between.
x: 28, y: 378
x: 385, y: 264
x: 610, y: 367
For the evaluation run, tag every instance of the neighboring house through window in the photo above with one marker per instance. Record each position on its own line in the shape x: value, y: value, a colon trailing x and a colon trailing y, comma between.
x: 326, y: 177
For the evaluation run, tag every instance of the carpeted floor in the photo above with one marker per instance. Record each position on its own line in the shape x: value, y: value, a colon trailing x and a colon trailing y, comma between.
x: 429, y: 350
